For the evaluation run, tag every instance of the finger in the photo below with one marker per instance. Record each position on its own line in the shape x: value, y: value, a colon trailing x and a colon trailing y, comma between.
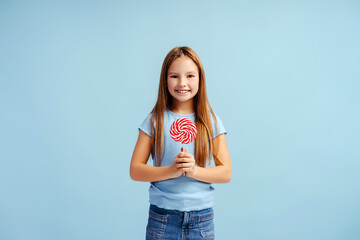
x: 183, y: 160
x: 186, y: 159
x: 180, y: 160
x: 185, y: 155
x: 185, y: 170
x: 181, y: 154
x: 188, y: 165
x: 180, y: 165
x: 183, y: 149
x: 184, y: 165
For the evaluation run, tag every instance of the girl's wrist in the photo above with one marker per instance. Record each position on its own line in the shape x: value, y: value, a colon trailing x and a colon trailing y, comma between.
x: 174, y: 173
x: 194, y: 172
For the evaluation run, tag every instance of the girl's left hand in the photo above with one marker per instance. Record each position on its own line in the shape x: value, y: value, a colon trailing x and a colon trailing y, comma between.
x: 186, y: 163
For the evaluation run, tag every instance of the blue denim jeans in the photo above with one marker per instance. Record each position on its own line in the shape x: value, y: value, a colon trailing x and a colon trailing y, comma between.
x: 173, y: 224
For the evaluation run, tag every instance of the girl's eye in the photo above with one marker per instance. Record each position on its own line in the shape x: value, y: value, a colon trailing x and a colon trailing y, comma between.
x: 191, y: 76
x: 173, y: 76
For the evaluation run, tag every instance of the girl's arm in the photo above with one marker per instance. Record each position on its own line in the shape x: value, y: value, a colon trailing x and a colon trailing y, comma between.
x: 219, y: 174
x: 140, y: 171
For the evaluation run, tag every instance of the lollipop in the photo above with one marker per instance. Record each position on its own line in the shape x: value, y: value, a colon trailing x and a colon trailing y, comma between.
x: 183, y: 130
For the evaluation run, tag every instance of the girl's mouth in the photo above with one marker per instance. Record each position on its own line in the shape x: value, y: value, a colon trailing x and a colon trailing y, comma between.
x: 182, y: 91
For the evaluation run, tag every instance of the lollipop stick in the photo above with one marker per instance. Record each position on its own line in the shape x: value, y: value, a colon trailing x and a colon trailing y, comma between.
x: 183, y: 149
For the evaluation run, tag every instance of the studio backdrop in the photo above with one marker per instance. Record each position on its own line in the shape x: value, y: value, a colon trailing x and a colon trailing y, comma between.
x: 77, y: 78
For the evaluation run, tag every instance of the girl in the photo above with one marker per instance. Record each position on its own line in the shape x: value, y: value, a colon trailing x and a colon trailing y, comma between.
x: 180, y: 193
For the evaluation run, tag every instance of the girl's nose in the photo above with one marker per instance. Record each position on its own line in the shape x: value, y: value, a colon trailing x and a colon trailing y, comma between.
x: 182, y: 81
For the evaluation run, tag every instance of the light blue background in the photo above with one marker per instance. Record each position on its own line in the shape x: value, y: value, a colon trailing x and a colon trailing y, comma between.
x: 78, y: 77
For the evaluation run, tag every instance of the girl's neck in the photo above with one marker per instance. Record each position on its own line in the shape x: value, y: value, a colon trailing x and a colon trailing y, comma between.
x: 182, y: 107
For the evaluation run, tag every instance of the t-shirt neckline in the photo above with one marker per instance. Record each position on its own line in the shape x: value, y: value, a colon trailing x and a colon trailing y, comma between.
x: 181, y: 115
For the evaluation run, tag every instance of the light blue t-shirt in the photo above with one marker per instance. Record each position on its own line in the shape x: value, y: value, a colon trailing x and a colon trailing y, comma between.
x: 182, y: 193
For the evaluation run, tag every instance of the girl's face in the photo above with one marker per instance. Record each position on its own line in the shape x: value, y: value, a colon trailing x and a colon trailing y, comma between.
x: 183, y: 79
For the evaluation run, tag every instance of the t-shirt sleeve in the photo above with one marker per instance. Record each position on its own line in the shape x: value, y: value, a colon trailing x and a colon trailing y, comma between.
x: 219, y: 129
x: 145, y: 126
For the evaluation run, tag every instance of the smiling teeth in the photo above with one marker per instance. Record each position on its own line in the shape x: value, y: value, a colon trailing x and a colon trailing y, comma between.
x: 184, y: 91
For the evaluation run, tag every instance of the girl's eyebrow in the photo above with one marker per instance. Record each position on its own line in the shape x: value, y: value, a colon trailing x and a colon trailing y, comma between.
x: 176, y: 73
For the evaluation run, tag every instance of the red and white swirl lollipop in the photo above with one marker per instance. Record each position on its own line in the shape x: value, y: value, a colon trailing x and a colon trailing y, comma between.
x: 183, y: 130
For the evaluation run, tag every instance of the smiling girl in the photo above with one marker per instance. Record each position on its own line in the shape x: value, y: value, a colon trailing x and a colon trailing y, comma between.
x: 180, y: 193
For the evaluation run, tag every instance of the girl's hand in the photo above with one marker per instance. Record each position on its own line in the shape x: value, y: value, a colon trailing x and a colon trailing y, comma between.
x: 175, y: 172
x: 185, y: 163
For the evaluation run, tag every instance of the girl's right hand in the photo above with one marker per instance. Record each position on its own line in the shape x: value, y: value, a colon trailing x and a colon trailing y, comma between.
x: 174, y: 170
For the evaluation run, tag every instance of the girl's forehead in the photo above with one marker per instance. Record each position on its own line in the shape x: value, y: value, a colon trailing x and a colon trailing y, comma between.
x: 183, y: 63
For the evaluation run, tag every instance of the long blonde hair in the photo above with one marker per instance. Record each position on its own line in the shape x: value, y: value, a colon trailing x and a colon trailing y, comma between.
x: 203, y: 141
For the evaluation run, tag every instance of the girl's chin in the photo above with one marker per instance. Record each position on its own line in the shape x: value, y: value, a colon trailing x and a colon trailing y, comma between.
x: 182, y: 99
